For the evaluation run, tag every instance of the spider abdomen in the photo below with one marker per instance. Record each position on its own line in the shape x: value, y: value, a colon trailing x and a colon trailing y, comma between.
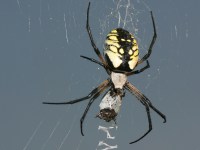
x: 121, y: 50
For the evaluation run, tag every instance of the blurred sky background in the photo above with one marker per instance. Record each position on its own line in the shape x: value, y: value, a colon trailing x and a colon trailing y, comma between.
x: 40, y: 46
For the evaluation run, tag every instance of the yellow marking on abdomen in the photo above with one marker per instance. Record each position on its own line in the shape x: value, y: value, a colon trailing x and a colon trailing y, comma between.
x: 132, y: 63
x: 110, y: 42
x: 113, y: 48
x: 136, y: 53
x: 121, y: 51
x: 114, y: 58
x: 113, y: 31
x: 130, y: 52
x: 113, y: 38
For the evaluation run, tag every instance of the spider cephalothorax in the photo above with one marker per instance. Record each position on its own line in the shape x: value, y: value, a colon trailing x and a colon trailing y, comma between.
x: 121, y: 59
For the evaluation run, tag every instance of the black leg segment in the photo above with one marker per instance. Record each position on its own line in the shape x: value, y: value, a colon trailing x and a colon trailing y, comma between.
x: 152, y: 42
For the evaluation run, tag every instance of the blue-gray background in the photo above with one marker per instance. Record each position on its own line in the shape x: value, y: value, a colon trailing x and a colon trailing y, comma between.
x: 40, y: 45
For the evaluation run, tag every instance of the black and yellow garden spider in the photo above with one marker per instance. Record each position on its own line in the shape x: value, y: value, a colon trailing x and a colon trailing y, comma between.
x: 121, y: 58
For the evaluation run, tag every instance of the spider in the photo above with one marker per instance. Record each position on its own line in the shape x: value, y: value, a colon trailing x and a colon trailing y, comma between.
x: 121, y: 57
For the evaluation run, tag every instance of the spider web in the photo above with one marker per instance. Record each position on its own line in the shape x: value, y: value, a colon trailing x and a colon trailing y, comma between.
x: 59, y: 128
x: 41, y: 41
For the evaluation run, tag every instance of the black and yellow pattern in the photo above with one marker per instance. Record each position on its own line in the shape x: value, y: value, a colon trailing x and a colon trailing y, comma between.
x: 121, y: 50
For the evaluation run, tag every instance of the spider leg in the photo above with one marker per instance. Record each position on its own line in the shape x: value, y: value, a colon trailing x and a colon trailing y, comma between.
x: 93, y: 60
x: 91, y: 37
x: 156, y: 110
x: 140, y: 70
x: 145, y: 101
x: 89, y: 104
x: 152, y: 42
x: 93, y: 95
x: 150, y: 123
x: 96, y: 90
x: 76, y: 100
x: 97, y: 62
x: 142, y: 97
